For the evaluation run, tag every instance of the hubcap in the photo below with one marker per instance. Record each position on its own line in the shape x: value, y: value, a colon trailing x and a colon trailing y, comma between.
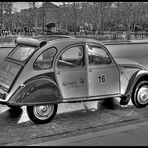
x: 143, y: 95
x: 43, y: 112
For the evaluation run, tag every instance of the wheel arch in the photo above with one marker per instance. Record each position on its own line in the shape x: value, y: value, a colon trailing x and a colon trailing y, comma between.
x: 37, y: 91
x: 134, y: 80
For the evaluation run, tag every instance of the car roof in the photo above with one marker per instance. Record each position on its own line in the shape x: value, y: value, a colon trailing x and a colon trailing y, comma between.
x: 65, y: 42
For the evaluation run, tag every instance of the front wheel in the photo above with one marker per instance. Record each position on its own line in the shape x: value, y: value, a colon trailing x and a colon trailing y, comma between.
x: 140, y: 94
x: 42, y: 114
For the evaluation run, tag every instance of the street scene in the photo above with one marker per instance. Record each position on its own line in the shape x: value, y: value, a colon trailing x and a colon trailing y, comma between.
x: 73, y: 73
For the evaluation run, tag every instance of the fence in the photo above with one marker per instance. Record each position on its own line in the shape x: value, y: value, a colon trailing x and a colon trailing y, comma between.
x: 105, y: 36
x: 114, y: 35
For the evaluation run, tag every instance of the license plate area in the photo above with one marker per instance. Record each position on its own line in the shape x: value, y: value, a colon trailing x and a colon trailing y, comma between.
x: 8, y: 73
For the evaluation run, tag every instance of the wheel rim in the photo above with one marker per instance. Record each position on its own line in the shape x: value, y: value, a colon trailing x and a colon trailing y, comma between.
x: 142, y: 96
x: 43, y: 112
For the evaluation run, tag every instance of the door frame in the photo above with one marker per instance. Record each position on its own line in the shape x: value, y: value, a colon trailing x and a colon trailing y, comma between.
x: 87, y: 63
x: 56, y: 69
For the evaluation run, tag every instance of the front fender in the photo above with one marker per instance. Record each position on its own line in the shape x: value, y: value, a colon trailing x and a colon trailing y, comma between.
x: 36, y: 92
x: 139, y: 75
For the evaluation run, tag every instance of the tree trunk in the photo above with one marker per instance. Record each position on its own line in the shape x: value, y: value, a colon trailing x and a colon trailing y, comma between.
x: 35, y: 20
x: 102, y: 23
x: 74, y: 7
x: 128, y: 36
x: 102, y: 20
x: 43, y: 18
x: 1, y: 18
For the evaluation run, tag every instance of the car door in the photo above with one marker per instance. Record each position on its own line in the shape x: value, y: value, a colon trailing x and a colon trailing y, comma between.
x: 103, y: 73
x: 70, y: 72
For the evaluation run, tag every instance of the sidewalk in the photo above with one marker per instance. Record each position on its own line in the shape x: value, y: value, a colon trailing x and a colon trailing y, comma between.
x: 131, y: 135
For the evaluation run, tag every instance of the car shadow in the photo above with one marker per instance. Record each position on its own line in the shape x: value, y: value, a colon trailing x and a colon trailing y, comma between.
x: 10, y: 117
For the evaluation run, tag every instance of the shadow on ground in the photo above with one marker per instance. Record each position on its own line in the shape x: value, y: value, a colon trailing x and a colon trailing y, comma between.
x: 26, y: 132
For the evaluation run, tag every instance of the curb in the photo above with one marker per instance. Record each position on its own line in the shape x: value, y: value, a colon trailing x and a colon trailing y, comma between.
x: 98, y: 134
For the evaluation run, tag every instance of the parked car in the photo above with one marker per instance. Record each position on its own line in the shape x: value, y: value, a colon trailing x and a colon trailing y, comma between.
x: 40, y: 75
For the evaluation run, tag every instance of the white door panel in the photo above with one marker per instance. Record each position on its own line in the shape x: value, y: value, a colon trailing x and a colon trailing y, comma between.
x: 103, y: 81
x: 72, y: 83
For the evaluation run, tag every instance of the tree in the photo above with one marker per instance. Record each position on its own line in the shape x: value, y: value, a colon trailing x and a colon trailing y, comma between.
x: 100, y: 12
x: 33, y: 5
x: 8, y: 8
x: 1, y: 17
x: 128, y: 12
x: 64, y: 14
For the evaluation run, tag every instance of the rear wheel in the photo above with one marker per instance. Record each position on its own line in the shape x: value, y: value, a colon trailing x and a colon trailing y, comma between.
x: 15, y: 107
x: 42, y: 114
x: 140, y: 94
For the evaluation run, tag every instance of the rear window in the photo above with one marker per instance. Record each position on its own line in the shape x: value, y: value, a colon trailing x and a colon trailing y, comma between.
x: 22, y: 52
x: 45, y: 60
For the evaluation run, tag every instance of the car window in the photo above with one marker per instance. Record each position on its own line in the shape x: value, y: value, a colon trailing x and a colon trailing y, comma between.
x: 45, y: 60
x: 22, y: 52
x: 72, y: 57
x: 97, y: 56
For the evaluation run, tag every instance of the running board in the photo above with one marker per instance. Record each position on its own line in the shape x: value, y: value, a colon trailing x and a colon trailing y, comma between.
x: 96, y: 98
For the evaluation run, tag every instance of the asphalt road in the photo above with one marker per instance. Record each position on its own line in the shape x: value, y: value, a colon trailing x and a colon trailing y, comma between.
x: 126, y: 135
x: 137, y: 52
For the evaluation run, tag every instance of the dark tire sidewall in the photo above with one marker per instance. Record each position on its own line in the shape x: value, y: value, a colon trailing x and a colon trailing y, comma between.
x: 33, y: 118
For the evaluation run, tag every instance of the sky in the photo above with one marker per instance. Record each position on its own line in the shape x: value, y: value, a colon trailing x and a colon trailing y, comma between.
x: 25, y: 5
x: 21, y: 5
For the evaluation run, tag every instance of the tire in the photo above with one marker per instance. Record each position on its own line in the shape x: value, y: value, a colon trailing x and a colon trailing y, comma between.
x: 42, y: 114
x: 140, y: 94
x: 15, y: 111
x: 15, y: 107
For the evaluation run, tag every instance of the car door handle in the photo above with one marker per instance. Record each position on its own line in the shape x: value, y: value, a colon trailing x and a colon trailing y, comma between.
x: 58, y: 72
x: 90, y: 70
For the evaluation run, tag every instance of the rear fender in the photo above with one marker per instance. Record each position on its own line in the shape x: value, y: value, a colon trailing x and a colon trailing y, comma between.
x: 136, y: 77
x: 36, y: 92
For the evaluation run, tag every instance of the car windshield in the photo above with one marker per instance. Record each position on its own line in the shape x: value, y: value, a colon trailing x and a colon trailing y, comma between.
x: 22, y: 52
